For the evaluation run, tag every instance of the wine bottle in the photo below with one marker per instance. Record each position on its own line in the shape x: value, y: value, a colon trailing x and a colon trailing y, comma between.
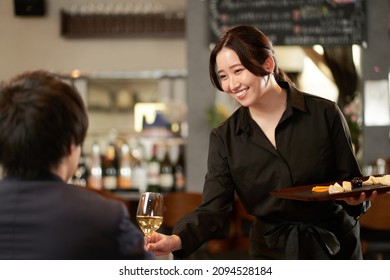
x: 153, y: 171
x: 110, y: 168
x: 139, y: 175
x: 94, y: 180
x: 80, y: 176
x: 125, y: 168
x: 180, y: 171
x: 167, y: 181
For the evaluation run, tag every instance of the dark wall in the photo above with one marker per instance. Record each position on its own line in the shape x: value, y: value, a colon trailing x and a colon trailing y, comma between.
x: 376, y: 141
x: 200, y: 94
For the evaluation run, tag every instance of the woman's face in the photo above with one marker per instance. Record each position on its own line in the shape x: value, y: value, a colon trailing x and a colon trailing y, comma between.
x: 236, y: 80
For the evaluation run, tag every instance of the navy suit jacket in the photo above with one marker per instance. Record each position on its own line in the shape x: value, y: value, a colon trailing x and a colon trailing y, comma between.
x: 50, y: 219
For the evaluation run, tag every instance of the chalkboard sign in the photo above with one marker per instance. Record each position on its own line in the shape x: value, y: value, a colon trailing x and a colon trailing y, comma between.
x: 294, y: 22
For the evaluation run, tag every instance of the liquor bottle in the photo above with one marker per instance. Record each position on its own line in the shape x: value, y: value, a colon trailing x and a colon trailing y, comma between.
x: 180, y: 171
x: 80, y: 176
x: 139, y: 175
x: 153, y: 170
x: 110, y: 168
x: 94, y: 180
x: 125, y: 168
x: 167, y: 181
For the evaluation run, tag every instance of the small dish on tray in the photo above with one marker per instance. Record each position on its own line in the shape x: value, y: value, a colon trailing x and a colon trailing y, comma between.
x: 305, y: 193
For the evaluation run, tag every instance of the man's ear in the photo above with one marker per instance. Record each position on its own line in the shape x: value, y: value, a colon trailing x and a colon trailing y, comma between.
x: 70, y: 149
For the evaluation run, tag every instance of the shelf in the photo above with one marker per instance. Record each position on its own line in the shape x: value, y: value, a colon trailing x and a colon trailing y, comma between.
x: 115, y: 25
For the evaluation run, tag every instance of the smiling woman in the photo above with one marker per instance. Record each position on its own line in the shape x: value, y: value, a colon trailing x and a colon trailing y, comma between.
x: 263, y: 147
x: 249, y: 89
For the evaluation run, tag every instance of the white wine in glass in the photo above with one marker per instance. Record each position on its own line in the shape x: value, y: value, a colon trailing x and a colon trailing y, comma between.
x: 150, y: 212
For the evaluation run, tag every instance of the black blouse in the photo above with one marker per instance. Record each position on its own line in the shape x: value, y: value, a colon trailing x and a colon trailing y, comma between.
x: 313, y: 146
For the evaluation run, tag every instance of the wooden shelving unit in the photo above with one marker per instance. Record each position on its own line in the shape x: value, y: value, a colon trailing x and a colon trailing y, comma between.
x: 115, y: 25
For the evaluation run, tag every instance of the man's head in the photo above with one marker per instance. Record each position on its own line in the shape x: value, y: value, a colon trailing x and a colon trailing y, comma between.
x: 41, y: 117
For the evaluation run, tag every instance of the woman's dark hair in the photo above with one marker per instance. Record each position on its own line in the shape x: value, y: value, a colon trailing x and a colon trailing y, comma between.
x: 41, y: 116
x: 252, y: 48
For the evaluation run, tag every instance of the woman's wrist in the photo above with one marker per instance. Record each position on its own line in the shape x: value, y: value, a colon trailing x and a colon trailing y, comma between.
x: 176, y: 241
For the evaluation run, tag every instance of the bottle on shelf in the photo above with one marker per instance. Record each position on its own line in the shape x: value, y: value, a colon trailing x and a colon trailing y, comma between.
x: 167, y: 181
x: 110, y: 168
x: 139, y: 167
x: 180, y: 171
x: 94, y: 180
x: 80, y: 176
x: 153, y: 171
x: 125, y: 168
x: 140, y: 176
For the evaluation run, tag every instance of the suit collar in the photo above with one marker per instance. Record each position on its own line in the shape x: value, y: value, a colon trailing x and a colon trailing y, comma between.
x: 43, y: 176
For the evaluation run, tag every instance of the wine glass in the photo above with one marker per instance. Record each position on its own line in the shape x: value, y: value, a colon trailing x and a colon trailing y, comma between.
x: 150, y: 212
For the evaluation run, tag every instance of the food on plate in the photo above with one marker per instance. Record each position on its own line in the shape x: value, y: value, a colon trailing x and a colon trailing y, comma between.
x: 348, y: 186
x: 320, y: 189
x: 356, y: 183
x: 336, y: 188
x: 372, y: 180
x: 385, y: 180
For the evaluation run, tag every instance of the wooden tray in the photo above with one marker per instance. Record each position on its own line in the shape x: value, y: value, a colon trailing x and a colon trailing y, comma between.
x: 306, y: 194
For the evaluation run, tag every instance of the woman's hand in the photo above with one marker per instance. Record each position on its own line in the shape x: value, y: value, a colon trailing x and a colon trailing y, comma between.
x: 363, y: 197
x: 161, y: 244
